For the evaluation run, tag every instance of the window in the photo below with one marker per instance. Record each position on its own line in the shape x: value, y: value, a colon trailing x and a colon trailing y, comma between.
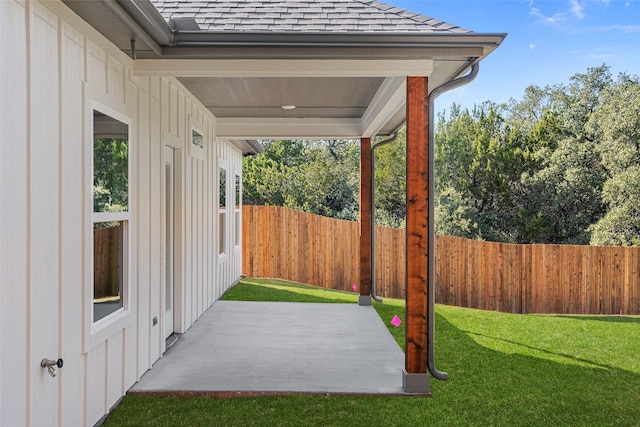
x: 222, y: 211
x: 197, y: 140
x: 196, y: 148
x: 238, y: 216
x: 110, y: 217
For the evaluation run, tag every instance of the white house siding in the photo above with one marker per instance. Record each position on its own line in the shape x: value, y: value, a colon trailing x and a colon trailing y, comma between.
x: 53, y: 66
x: 230, y: 265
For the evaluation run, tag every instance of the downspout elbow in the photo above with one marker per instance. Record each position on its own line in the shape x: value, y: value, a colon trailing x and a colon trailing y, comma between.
x: 454, y: 84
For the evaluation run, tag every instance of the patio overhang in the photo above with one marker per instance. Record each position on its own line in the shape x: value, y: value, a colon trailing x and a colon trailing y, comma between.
x: 332, y: 97
x: 342, y: 84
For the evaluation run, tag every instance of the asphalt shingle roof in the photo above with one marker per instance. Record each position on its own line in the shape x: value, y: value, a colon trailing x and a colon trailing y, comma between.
x: 340, y: 16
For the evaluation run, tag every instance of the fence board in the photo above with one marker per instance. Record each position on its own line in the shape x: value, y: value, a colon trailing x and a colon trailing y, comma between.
x: 281, y: 243
x: 106, y: 268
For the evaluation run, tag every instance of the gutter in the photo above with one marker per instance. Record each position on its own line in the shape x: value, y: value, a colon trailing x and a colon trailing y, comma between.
x: 188, y: 38
x: 450, y: 85
x: 207, y: 44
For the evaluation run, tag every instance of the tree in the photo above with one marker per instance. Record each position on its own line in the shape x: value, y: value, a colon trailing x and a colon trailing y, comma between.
x: 616, y: 123
x: 110, y: 175
x: 479, y: 159
x: 391, y: 182
x: 454, y: 215
x: 621, y: 224
x: 319, y: 177
x: 562, y: 195
x: 328, y: 180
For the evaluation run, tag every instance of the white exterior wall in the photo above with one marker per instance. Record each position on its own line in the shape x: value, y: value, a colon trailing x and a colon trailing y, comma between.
x: 229, y: 264
x: 53, y: 69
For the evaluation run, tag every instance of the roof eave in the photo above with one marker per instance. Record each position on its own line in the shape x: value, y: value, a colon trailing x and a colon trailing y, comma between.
x: 149, y: 27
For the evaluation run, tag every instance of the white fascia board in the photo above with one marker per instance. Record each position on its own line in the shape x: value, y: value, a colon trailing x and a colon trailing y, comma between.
x: 282, y: 67
x: 292, y: 128
x: 389, y: 99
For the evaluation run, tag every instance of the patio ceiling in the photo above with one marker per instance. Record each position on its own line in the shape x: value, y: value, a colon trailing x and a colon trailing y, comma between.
x: 342, y: 84
x: 333, y: 98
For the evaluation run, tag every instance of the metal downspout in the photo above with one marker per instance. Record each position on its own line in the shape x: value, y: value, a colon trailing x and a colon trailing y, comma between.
x: 450, y: 85
x: 373, y: 213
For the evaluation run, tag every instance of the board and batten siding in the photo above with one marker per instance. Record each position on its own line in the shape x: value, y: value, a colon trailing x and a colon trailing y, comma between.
x: 54, y: 69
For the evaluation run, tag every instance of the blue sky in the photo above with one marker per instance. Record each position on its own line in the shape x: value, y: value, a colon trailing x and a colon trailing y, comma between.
x: 548, y: 41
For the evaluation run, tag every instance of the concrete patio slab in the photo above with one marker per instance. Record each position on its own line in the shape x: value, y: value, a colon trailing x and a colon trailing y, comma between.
x: 268, y: 347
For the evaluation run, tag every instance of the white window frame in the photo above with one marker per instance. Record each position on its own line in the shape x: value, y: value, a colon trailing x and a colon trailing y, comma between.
x: 223, y: 221
x: 105, y: 327
x: 195, y: 150
x: 237, y: 198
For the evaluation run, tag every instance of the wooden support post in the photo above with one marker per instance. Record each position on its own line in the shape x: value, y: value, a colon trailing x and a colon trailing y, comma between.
x: 415, y: 377
x: 365, y: 221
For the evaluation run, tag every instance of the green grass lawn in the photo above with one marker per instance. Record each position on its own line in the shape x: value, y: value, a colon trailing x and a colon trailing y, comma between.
x: 505, y: 370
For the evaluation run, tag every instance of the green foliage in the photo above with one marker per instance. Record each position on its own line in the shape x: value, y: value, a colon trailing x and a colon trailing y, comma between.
x: 390, y: 182
x: 534, y: 171
x: 110, y: 175
x: 564, y: 196
x: 455, y: 216
x: 616, y: 125
x: 621, y: 224
x: 319, y: 177
x: 548, y: 168
x: 479, y: 159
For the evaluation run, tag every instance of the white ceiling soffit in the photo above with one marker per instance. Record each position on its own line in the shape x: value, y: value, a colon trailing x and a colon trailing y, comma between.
x: 290, y: 128
x: 385, y: 103
x: 387, y: 106
x: 382, y: 104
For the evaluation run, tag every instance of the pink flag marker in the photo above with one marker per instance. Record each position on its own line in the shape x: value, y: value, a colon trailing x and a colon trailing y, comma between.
x: 354, y: 288
x: 396, y: 321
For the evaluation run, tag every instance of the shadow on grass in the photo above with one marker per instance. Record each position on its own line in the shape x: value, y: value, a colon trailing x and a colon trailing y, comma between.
x: 256, y: 291
x: 516, y: 389
x: 541, y: 350
x: 602, y: 318
x: 288, y: 284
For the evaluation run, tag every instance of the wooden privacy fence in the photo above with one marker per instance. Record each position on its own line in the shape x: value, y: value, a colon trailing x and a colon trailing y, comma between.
x: 537, y: 278
x: 106, y: 261
x: 291, y: 245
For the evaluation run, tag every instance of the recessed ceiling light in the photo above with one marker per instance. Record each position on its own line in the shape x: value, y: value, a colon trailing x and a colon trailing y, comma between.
x: 288, y: 107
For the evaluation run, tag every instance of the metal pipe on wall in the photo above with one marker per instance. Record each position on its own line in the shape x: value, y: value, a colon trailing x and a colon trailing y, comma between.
x: 373, y: 213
